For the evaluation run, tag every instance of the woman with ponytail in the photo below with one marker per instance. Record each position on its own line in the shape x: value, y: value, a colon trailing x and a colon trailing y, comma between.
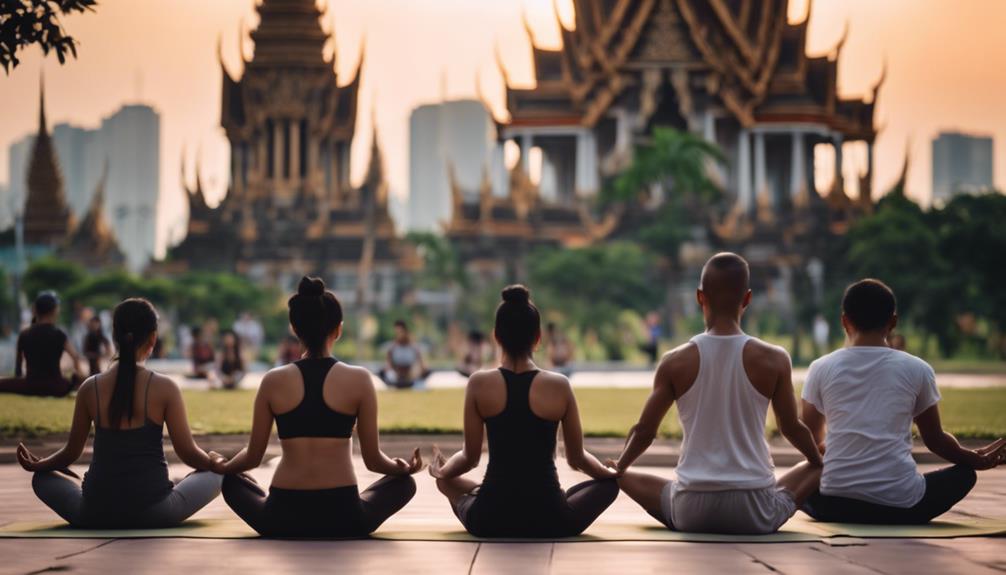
x: 127, y: 484
x: 520, y: 408
x: 316, y: 402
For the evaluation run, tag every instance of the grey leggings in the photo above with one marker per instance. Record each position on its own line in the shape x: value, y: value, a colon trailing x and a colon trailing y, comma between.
x: 63, y: 494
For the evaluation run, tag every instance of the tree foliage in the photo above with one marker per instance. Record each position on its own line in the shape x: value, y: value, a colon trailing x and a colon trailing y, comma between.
x: 27, y: 22
x: 943, y: 264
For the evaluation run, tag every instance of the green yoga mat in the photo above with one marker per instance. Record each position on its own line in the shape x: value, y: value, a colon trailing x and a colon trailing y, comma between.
x: 798, y: 529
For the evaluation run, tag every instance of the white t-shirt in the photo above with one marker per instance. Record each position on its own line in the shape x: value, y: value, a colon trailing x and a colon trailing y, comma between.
x: 869, y: 397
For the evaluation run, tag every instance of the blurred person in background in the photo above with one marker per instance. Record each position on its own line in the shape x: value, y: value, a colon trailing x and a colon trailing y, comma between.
x: 475, y: 353
x: 560, y: 351
x: 249, y: 330
x: 96, y: 346
x: 290, y: 350
x: 40, y: 349
x: 232, y: 365
x: 404, y: 365
x: 653, y: 334
x: 201, y: 353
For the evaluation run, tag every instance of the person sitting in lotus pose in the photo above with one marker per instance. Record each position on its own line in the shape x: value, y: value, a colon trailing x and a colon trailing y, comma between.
x: 723, y: 381
x: 127, y: 484
x: 316, y: 402
x: 866, y: 396
x: 520, y: 408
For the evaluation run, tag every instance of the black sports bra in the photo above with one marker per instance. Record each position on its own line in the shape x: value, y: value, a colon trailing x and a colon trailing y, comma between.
x: 312, y: 418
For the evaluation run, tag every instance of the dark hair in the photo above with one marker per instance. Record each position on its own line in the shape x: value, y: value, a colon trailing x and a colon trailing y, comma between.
x: 518, y: 323
x: 869, y: 304
x: 45, y: 303
x: 236, y: 347
x: 133, y: 321
x: 314, y: 314
x: 401, y: 323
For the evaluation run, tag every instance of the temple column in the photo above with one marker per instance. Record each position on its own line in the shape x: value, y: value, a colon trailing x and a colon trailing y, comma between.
x: 277, y: 150
x: 759, y: 165
x: 744, y: 196
x: 525, y: 152
x: 261, y: 157
x: 500, y: 178
x: 797, y: 176
x: 294, y: 151
x: 709, y: 127
x: 623, y: 132
x: 586, y: 163
x: 343, y: 148
x: 839, y: 179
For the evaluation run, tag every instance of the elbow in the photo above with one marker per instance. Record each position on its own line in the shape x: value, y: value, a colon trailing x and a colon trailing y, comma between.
x: 472, y: 459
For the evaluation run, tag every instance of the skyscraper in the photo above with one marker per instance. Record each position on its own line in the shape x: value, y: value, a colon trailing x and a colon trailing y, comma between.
x: 18, y: 155
x: 961, y: 163
x: 129, y: 140
x: 449, y: 136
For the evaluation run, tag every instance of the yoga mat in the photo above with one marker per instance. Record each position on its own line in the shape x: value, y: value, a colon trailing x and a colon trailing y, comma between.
x: 798, y: 529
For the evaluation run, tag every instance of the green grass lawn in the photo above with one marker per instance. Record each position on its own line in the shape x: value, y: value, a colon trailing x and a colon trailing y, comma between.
x: 605, y: 412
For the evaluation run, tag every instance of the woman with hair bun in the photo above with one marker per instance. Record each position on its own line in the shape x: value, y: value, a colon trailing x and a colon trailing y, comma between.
x: 316, y: 402
x: 127, y: 484
x: 520, y: 408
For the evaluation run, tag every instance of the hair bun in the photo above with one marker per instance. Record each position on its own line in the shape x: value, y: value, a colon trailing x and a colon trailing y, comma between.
x: 516, y: 294
x: 311, y: 287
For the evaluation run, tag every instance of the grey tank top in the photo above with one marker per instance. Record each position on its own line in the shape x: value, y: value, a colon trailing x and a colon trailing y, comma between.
x: 128, y: 465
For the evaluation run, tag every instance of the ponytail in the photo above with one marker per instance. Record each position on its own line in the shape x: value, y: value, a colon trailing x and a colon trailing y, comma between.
x: 121, y: 404
x: 133, y: 322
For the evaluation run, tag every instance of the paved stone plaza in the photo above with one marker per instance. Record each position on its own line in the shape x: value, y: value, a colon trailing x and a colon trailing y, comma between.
x: 916, y: 556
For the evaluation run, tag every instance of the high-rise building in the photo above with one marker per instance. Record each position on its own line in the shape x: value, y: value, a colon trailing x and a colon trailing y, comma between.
x: 129, y: 141
x: 962, y: 163
x: 449, y: 139
x: 18, y: 155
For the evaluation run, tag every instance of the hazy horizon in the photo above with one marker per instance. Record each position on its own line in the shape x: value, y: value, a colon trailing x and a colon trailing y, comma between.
x: 946, y: 72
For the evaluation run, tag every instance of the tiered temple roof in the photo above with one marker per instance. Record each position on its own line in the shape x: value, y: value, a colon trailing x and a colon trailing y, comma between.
x: 753, y: 62
x: 290, y: 207
x: 47, y: 217
x: 93, y: 243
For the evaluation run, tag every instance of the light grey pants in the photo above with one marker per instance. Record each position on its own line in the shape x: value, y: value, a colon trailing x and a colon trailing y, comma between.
x: 63, y: 494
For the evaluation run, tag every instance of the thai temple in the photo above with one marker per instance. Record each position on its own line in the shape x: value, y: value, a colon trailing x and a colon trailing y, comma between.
x: 735, y: 72
x: 290, y: 208
x: 49, y: 225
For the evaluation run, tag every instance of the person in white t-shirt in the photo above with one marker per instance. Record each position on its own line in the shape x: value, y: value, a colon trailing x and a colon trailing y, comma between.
x: 867, y: 395
x: 723, y: 381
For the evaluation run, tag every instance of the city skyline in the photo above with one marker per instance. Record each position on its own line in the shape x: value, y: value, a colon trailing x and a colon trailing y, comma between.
x: 926, y: 92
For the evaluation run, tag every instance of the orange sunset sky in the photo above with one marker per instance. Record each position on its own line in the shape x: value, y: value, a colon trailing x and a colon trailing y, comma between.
x: 946, y: 71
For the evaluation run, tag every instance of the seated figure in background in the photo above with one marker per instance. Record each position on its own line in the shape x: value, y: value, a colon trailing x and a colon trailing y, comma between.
x: 404, y: 366
x: 866, y: 396
x: 40, y: 349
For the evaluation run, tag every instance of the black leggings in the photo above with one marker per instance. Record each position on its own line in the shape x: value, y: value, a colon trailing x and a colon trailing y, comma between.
x: 944, y: 488
x: 338, y: 512
x: 486, y: 515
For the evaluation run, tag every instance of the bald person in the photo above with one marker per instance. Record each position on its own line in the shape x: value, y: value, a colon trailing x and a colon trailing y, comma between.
x: 723, y: 381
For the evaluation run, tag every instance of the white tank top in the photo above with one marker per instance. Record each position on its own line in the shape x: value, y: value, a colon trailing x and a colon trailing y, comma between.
x: 723, y: 417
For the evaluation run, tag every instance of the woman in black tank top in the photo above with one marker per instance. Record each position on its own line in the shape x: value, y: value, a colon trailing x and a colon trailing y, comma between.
x: 127, y: 484
x: 313, y: 493
x: 520, y: 495
x: 40, y: 348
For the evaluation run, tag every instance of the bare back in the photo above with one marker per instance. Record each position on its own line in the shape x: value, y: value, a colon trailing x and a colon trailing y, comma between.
x: 316, y: 462
x: 549, y: 394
